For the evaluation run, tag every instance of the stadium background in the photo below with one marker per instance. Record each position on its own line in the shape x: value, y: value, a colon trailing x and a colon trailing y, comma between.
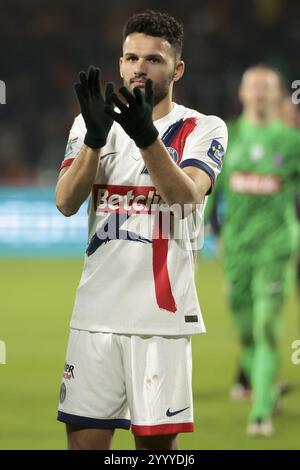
x: 44, y: 44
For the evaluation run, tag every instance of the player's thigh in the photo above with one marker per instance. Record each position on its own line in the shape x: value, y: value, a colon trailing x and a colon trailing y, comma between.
x: 88, y: 439
x: 158, y: 372
x: 238, y: 275
x: 273, y: 278
x: 271, y: 285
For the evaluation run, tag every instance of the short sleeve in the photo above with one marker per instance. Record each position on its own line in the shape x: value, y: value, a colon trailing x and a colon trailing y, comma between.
x: 206, y: 146
x: 75, y: 141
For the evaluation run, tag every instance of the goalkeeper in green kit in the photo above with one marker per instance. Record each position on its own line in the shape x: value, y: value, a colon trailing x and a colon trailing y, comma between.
x: 260, y: 177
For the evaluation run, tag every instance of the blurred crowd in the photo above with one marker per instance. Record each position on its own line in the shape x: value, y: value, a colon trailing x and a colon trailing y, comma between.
x: 45, y: 44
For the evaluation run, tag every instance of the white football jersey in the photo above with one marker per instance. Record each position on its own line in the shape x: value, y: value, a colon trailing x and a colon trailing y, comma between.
x: 137, y: 278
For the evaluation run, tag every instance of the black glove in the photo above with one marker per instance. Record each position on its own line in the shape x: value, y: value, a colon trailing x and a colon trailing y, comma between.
x: 98, y: 123
x: 136, y: 117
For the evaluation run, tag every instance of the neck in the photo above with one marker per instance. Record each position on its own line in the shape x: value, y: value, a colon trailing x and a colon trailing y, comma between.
x: 258, y: 119
x: 163, y: 108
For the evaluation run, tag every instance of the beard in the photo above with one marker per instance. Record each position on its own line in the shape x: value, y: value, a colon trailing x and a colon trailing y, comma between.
x: 160, y: 90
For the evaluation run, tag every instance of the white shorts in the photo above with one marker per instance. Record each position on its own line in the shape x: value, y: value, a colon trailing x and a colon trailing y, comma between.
x: 114, y: 381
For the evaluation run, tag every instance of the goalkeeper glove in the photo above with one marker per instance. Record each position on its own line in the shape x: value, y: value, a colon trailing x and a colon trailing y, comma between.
x: 98, y: 123
x: 136, y: 116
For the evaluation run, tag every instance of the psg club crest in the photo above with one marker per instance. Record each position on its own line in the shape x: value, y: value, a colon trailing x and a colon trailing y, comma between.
x: 173, y: 153
x: 216, y: 153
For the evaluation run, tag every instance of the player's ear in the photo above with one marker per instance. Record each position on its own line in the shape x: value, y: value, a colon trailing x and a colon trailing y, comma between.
x: 179, y: 70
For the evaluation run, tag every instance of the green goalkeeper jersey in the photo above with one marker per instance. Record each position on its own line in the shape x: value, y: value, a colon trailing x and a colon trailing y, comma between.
x: 259, y: 180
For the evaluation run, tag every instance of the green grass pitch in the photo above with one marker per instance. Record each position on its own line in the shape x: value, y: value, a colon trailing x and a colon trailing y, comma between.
x: 35, y: 307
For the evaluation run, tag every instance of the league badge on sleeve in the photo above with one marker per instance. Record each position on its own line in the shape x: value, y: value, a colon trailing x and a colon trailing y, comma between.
x: 216, y: 153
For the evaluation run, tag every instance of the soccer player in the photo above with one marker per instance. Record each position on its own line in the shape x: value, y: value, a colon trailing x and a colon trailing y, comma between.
x: 290, y: 114
x: 129, y: 354
x: 259, y: 183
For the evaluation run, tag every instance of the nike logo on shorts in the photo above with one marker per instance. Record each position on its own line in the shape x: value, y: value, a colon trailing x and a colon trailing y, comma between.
x: 173, y: 413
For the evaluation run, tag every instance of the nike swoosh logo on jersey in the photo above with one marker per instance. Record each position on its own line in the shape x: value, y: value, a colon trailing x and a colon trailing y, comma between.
x: 173, y: 413
x: 107, y: 154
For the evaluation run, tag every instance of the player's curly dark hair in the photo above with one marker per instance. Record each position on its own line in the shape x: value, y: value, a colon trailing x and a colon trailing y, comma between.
x: 155, y: 23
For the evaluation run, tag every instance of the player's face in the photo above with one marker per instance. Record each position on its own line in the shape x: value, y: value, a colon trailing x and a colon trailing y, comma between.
x: 150, y: 57
x: 260, y: 91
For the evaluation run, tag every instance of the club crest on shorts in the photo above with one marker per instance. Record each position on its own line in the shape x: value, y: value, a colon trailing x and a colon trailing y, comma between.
x: 63, y: 393
x: 216, y: 153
